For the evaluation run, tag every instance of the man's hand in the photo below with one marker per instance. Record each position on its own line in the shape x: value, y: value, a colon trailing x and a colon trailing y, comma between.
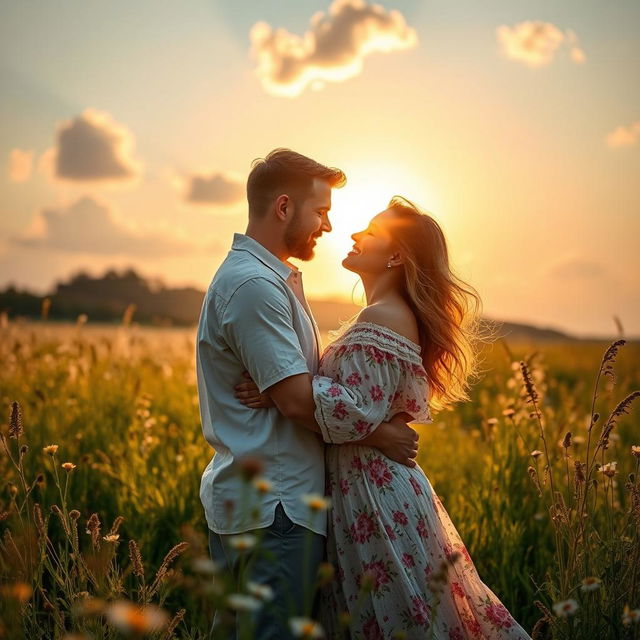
x: 396, y: 440
x: 249, y: 395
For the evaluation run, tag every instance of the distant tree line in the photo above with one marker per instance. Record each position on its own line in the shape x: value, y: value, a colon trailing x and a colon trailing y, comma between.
x: 108, y: 298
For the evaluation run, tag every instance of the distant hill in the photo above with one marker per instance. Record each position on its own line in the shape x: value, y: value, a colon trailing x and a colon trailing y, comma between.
x: 108, y: 298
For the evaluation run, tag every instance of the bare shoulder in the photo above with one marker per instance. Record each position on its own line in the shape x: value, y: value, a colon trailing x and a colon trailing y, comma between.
x: 395, y: 316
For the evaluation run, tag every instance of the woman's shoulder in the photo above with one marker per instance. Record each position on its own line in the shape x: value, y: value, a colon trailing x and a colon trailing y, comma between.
x: 397, y: 317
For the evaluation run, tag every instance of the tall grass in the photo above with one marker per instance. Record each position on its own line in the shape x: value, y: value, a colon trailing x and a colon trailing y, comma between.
x: 121, y: 405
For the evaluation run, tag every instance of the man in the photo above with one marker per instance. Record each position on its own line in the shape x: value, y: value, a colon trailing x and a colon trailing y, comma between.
x: 255, y: 321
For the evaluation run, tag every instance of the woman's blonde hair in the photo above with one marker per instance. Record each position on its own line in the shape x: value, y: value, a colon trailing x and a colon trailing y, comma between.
x: 447, y: 309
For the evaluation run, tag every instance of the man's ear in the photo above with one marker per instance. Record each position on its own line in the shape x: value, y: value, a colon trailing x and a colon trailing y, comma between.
x: 283, y: 206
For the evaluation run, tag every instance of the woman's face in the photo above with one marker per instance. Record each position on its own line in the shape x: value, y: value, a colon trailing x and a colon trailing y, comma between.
x: 373, y: 247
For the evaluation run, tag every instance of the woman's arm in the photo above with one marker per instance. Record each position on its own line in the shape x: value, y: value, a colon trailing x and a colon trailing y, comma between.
x: 293, y: 397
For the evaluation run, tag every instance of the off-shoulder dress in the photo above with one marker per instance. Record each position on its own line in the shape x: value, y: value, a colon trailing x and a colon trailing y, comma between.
x: 389, y: 533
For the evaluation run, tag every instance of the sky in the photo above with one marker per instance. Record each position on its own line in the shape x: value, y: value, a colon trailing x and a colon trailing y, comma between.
x: 127, y: 130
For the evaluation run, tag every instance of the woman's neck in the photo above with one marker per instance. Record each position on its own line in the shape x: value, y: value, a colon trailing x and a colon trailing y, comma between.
x: 381, y: 288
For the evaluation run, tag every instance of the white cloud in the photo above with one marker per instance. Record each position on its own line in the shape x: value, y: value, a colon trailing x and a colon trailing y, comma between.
x: 214, y: 188
x: 624, y: 136
x: 89, y: 226
x: 535, y: 43
x: 94, y: 147
x: 332, y: 50
x: 20, y: 165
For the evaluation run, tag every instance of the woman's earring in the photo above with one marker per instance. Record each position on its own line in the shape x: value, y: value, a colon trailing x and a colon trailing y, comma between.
x: 389, y: 264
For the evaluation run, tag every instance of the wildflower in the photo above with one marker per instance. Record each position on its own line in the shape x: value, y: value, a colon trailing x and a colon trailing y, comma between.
x: 262, y: 485
x: 129, y: 617
x: 566, y: 442
x: 111, y: 537
x: 630, y: 615
x: 590, y: 584
x: 609, y: 469
x: 243, y: 542
x: 21, y: 591
x: 242, y: 602
x: 136, y: 559
x: 261, y: 591
x: 250, y: 467
x: 326, y: 572
x: 305, y: 628
x: 175, y: 621
x: 93, y: 529
x: 163, y: 571
x: 74, y: 514
x: 528, y: 382
x: 68, y: 466
x: 508, y: 412
x: 635, y: 450
x: 492, y: 421
x: 205, y: 565
x: 51, y: 449
x: 316, y: 502
x: 15, y: 421
x: 565, y: 608
x: 536, y: 453
x: 344, y: 617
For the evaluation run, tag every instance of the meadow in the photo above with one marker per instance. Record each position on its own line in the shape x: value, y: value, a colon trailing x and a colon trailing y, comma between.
x: 103, y: 534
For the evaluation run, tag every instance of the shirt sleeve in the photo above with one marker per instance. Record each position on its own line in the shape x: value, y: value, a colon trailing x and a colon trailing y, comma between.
x: 257, y: 325
x: 374, y: 385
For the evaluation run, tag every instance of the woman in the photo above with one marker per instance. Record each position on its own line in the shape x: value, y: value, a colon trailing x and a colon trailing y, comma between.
x: 401, y: 567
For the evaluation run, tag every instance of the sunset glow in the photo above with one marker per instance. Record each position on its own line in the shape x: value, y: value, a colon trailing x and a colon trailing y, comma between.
x: 517, y: 129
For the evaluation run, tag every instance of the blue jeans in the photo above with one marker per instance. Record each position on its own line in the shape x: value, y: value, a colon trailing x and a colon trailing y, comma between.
x: 286, y: 559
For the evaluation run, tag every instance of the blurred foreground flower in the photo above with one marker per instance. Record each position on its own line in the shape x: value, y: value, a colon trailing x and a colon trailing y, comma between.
x: 565, y: 608
x: 243, y: 542
x: 630, y: 615
x: 129, y: 617
x: 316, y: 502
x: 590, y: 584
x: 262, y: 485
x: 241, y: 602
x: 262, y: 591
x: 306, y: 628
x: 20, y: 591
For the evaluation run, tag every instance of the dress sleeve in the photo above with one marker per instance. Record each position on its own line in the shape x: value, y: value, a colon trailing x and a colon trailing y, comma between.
x: 374, y: 386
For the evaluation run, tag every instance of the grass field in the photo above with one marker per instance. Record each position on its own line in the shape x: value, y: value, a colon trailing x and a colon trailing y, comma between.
x: 120, y: 404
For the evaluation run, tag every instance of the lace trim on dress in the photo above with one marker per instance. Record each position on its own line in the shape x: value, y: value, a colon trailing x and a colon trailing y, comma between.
x: 370, y: 333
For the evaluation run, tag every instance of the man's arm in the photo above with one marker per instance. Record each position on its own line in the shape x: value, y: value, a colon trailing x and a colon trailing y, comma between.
x: 293, y: 397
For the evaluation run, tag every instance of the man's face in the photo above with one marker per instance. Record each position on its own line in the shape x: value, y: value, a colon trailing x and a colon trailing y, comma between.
x: 310, y: 218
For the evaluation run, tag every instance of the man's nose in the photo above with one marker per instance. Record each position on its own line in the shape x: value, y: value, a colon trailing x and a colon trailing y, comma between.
x: 326, y: 225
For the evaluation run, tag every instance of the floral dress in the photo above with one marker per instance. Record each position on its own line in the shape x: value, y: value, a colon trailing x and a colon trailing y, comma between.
x: 389, y: 534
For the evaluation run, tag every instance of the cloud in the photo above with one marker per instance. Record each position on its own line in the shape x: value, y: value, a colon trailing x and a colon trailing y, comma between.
x: 624, y: 136
x: 535, y: 43
x: 578, y: 268
x: 20, y: 165
x: 88, y: 226
x: 214, y: 188
x: 332, y: 50
x: 93, y: 146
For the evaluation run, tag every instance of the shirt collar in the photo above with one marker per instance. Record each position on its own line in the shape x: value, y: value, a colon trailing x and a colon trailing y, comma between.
x: 242, y: 242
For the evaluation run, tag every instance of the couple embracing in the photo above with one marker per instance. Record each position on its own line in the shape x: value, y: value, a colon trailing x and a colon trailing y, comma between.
x: 334, y: 423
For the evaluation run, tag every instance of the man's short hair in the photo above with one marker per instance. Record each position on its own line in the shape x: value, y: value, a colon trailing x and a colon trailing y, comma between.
x: 285, y: 171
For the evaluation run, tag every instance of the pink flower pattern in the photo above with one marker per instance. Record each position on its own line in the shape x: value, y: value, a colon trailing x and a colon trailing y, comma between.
x: 388, y: 530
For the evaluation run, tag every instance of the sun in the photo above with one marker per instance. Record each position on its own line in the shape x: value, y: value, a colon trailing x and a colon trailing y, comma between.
x: 367, y: 192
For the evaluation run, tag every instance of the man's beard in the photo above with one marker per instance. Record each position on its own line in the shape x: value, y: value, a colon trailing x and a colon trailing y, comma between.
x: 298, y: 245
